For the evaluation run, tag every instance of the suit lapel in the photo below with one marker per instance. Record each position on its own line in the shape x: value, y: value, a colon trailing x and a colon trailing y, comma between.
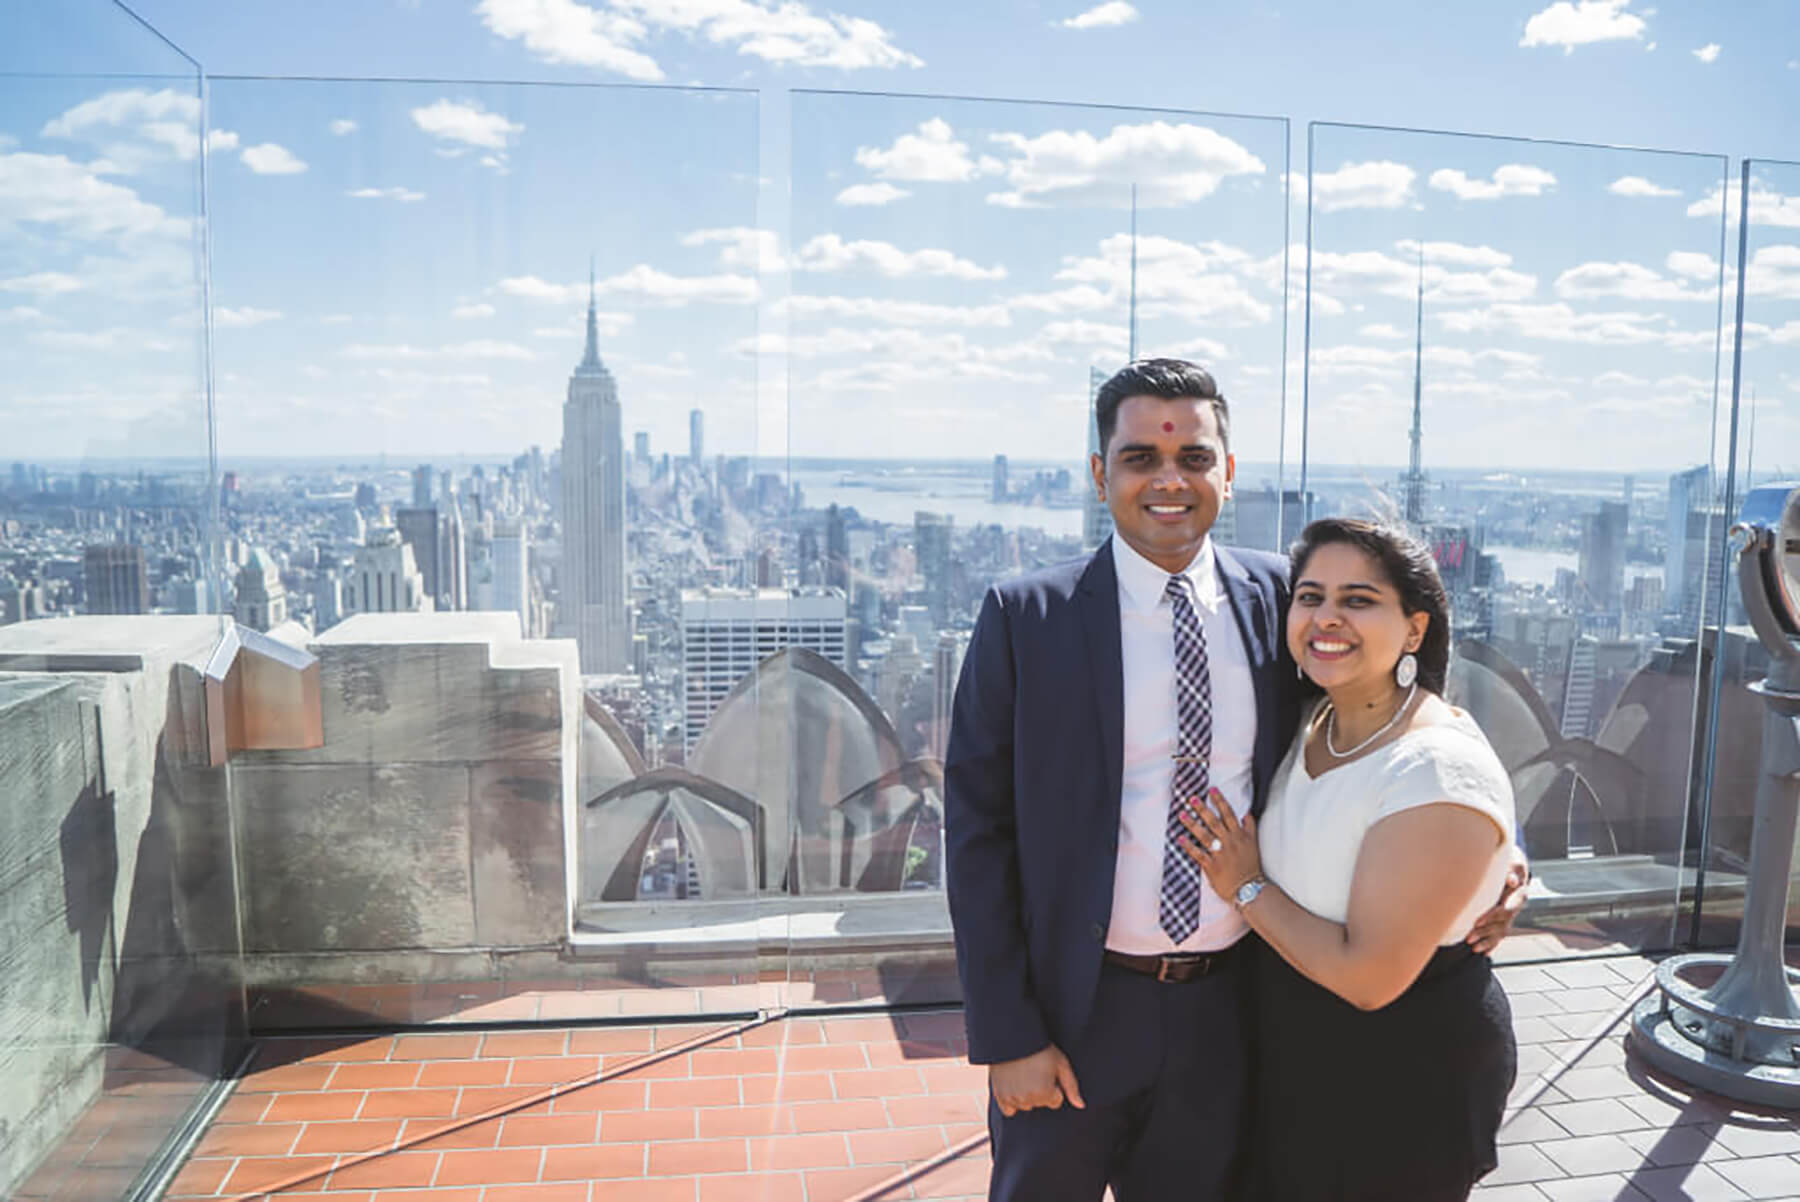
x: 1097, y: 598
x: 1248, y: 606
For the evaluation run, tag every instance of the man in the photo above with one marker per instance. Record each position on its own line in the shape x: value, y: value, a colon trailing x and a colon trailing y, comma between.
x: 1099, y: 981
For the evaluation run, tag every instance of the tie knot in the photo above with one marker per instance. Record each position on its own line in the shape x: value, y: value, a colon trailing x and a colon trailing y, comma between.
x: 1179, y: 589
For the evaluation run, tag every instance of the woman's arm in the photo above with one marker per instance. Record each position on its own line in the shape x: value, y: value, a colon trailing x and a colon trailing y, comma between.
x: 1416, y: 872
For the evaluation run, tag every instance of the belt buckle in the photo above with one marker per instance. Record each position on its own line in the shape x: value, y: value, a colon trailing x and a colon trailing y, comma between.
x: 1163, y: 965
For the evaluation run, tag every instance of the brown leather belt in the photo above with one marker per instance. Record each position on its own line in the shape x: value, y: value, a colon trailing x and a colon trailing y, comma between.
x: 1176, y: 968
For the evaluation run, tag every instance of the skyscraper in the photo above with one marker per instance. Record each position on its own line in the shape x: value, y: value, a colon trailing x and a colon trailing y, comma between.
x: 1602, y: 563
x: 1096, y: 518
x: 725, y: 633
x: 385, y: 578
x: 419, y: 530
x: 593, y: 491
x: 931, y: 544
x: 1002, y: 485
x: 118, y: 579
x: 696, y: 436
x: 422, y: 485
x: 261, y: 597
x: 837, y: 550
x: 1684, y: 557
x: 512, y: 583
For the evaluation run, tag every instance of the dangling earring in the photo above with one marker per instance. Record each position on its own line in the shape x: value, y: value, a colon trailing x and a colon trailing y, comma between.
x: 1299, y: 672
x: 1406, y: 671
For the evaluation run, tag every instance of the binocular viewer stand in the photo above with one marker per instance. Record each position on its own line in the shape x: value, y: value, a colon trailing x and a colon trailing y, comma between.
x: 1740, y: 1036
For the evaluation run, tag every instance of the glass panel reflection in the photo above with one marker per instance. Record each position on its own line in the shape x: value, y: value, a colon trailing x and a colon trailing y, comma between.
x: 1512, y: 349
x: 483, y: 421
x: 964, y: 275
x: 1767, y: 427
x: 120, y: 1002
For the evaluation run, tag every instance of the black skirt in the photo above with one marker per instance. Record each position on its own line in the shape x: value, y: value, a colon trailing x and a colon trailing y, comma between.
x: 1400, y: 1104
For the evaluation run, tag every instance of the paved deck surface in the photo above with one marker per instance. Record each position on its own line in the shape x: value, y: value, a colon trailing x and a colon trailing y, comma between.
x: 860, y: 1107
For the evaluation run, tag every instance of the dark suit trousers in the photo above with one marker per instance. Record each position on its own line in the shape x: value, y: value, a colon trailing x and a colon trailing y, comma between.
x: 1162, y: 1069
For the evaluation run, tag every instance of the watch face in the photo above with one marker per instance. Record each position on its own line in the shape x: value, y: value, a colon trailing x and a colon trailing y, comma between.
x: 1247, y: 892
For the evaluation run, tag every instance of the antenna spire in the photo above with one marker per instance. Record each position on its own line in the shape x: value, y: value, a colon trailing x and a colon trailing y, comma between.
x: 1415, y: 471
x: 1131, y: 353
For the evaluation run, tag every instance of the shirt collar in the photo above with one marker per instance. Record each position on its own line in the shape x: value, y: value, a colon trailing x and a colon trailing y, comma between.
x: 1143, y: 586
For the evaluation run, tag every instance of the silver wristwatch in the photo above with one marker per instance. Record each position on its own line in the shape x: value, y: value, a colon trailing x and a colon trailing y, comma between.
x: 1249, y: 891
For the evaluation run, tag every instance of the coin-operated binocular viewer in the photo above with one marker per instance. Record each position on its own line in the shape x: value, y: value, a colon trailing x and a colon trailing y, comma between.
x: 1741, y: 1036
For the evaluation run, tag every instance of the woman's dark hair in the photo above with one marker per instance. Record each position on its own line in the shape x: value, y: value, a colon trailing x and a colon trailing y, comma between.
x: 1408, y: 566
x: 1171, y: 379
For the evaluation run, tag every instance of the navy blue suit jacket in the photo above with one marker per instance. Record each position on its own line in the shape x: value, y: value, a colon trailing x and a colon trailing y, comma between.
x: 1031, y: 786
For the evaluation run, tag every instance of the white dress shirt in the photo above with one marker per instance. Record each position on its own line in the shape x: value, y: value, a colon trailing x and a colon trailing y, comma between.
x: 1147, y: 653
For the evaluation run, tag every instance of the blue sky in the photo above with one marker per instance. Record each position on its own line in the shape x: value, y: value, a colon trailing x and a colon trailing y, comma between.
x: 401, y: 268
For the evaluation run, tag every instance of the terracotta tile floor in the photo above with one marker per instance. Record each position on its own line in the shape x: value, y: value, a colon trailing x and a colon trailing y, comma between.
x: 836, y: 1108
x: 829, y: 1109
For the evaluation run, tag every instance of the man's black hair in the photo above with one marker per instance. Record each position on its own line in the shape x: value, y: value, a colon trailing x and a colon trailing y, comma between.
x: 1172, y: 379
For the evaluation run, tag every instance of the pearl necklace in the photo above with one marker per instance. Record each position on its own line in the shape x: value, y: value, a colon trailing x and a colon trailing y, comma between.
x: 1331, y: 725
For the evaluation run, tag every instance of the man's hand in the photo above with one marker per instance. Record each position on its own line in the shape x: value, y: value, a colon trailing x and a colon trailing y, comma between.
x: 1042, y: 1079
x: 1497, y: 923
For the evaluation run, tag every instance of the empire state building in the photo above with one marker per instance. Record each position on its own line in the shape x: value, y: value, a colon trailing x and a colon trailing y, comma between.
x: 593, y: 505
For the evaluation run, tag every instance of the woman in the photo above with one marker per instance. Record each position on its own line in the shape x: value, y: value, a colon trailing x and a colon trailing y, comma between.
x: 1387, y: 1048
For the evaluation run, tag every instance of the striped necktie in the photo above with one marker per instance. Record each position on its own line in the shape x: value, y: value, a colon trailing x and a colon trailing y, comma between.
x: 1179, y: 908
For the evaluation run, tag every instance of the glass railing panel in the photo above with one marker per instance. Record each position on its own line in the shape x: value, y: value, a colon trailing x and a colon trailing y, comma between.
x: 460, y: 332
x: 1513, y: 350
x: 120, y: 1004
x: 1765, y: 470
x: 963, y: 275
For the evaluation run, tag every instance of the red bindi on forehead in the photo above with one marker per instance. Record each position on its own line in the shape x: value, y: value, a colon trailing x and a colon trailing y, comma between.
x: 1168, y: 427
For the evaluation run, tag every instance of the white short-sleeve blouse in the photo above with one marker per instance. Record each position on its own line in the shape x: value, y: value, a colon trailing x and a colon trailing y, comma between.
x: 1312, y: 829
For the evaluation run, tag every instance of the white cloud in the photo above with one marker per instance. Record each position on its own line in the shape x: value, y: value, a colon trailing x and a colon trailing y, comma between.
x: 1076, y: 299
x: 1348, y: 273
x: 469, y: 312
x: 1637, y: 185
x: 268, y: 158
x: 52, y: 190
x: 1619, y: 379
x: 1101, y: 16
x: 932, y: 154
x: 871, y: 194
x: 396, y: 192
x: 1692, y: 264
x: 741, y: 247
x: 1382, y: 329
x: 1455, y: 254
x: 335, y: 319
x: 15, y: 315
x: 563, y: 31
x: 134, y: 128
x: 896, y: 312
x: 43, y: 283
x: 1767, y: 206
x: 1558, y: 322
x: 463, y: 125
x: 646, y: 284
x: 1195, y: 281
x: 480, y: 348
x: 1511, y: 179
x: 115, y: 338
x: 1373, y: 185
x: 232, y: 318
x: 1708, y: 53
x: 1570, y: 25
x: 1774, y: 271
x: 1170, y: 164
x: 829, y: 252
x: 1631, y: 281
x: 342, y: 126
